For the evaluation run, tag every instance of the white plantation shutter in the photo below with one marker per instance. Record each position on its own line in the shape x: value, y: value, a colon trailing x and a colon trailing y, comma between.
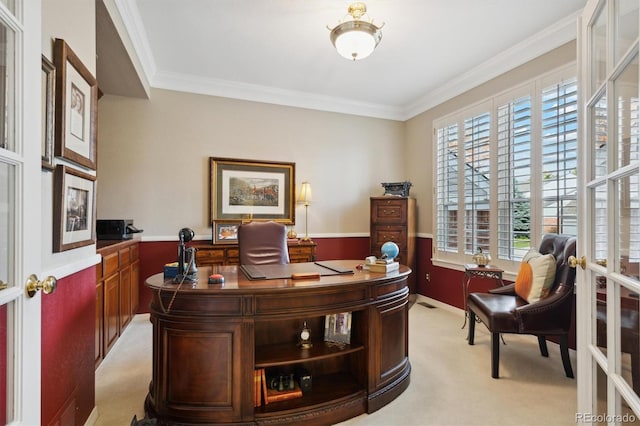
x: 477, y: 183
x: 506, y: 171
x: 559, y: 157
x: 514, y: 178
x: 447, y: 188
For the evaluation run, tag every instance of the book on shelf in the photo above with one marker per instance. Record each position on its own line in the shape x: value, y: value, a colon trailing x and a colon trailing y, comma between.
x: 376, y: 267
x: 263, y: 380
x: 257, y: 390
x: 274, y: 395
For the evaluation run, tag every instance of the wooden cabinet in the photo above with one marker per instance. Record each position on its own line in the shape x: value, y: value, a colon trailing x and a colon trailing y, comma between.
x: 117, y: 282
x: 393, y: 219
x: 227, y: 254
x: 228, y: 332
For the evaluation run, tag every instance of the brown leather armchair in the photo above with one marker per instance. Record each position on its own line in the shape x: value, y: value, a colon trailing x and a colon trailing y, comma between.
x: 502, y: 311
x: 262, y: 243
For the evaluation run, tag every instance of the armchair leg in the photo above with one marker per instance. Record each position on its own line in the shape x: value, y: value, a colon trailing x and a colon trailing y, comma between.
x: 542, y: 343
x: 495, y: 354
x: 564, y: 352
x: 472, y: 326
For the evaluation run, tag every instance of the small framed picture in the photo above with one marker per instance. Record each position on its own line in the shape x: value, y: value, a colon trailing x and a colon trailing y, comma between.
x: 74, y: 209
x: 337, y: 328
x: 225, y: 231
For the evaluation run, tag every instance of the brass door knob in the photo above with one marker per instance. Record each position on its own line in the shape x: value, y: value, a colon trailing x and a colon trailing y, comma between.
x: 574, y: 261
x: 48, y: 285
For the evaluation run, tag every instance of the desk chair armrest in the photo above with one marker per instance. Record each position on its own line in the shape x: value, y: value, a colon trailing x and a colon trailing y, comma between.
x: 543, y: 313
x: 507, y: 290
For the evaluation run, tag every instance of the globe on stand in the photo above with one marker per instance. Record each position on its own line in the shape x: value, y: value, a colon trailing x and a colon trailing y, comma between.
x: 390, y: 250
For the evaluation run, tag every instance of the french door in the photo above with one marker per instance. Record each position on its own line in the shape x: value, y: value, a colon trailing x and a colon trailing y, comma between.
x: 609, y: 230
x: 20, y: 219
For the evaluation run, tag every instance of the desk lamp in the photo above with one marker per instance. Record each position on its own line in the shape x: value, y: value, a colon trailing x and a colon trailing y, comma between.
x: 304, y: 198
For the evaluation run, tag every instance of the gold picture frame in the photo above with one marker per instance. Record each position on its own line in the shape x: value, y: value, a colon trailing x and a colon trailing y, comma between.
x: 243, y: 190
x: 76, y: 102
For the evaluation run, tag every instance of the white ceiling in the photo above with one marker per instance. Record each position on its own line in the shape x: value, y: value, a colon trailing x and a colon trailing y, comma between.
x: 278, y: 51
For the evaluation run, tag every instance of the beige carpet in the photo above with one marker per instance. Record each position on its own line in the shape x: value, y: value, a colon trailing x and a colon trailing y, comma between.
x: 451, y: 381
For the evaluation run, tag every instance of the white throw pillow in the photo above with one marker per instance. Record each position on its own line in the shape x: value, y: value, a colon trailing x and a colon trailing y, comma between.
x: 543, y: 273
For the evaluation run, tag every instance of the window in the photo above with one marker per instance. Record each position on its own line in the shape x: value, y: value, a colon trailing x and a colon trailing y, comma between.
x: 506, y: 171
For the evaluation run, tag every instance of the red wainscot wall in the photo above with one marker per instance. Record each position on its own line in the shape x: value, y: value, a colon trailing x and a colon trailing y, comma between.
x: 155, y: 254
x: 445, y: 284
x: 68, y: 339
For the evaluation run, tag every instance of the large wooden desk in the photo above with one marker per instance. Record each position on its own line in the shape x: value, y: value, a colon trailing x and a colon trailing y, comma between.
x: 207, y: 346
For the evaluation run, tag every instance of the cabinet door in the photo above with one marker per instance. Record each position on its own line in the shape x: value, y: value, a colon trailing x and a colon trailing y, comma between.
x: 99, y: 338
x: 125, y: 297
x: 135, y: 287
x: 199, y: 367
x: 111, y: 316
x: 391, y: 343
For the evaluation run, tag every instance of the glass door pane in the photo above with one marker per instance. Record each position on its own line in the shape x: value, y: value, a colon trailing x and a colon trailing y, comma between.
x: 7, y: 88
x: 7, y: 226
x: 599, y: 50
x: 629, y: 356
x: 626, y: 115
x: 626, y: 25
x: 599, y: 130
x: 628, y: 241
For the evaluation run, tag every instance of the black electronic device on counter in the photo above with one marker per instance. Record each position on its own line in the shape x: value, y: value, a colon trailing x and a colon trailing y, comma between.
x: 116, y: 229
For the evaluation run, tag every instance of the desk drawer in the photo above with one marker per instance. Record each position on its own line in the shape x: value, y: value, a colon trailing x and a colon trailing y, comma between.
x: 125, y: 256
x: 209, y: 256
x: 382, y: 234
x: 392, y: 211
x: 109, y: 264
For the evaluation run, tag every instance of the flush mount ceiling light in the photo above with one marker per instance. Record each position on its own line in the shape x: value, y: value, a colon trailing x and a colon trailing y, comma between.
x: 355, y: 38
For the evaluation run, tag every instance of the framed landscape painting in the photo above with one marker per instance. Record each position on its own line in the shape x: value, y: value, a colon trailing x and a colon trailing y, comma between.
x: 243, y: 190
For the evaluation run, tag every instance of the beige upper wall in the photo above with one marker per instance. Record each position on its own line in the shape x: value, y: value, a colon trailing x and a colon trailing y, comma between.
x: 419, y: 130
x: 153, y: 159
x: 74, y: 21
x: 153, y: 154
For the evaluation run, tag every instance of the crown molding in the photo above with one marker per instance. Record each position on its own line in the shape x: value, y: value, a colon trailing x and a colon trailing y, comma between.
x: 271, y: 95
x: 546, y: 40
x: 130, y: 16
x: 550, y: 38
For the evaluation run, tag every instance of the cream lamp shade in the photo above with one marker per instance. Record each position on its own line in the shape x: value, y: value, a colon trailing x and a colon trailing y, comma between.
x: 305, y: 194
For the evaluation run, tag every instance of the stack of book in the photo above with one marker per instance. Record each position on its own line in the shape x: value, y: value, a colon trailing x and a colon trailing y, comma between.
x: 384, y: 266
x: 262, y: 392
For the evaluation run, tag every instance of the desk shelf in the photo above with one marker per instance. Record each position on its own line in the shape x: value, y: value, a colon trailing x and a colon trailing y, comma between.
x: 326, y: 390
x: 278, y: 355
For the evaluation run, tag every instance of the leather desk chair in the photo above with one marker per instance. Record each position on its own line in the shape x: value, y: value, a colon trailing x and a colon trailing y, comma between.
x: 262, y: 243
x: 502, y: 311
